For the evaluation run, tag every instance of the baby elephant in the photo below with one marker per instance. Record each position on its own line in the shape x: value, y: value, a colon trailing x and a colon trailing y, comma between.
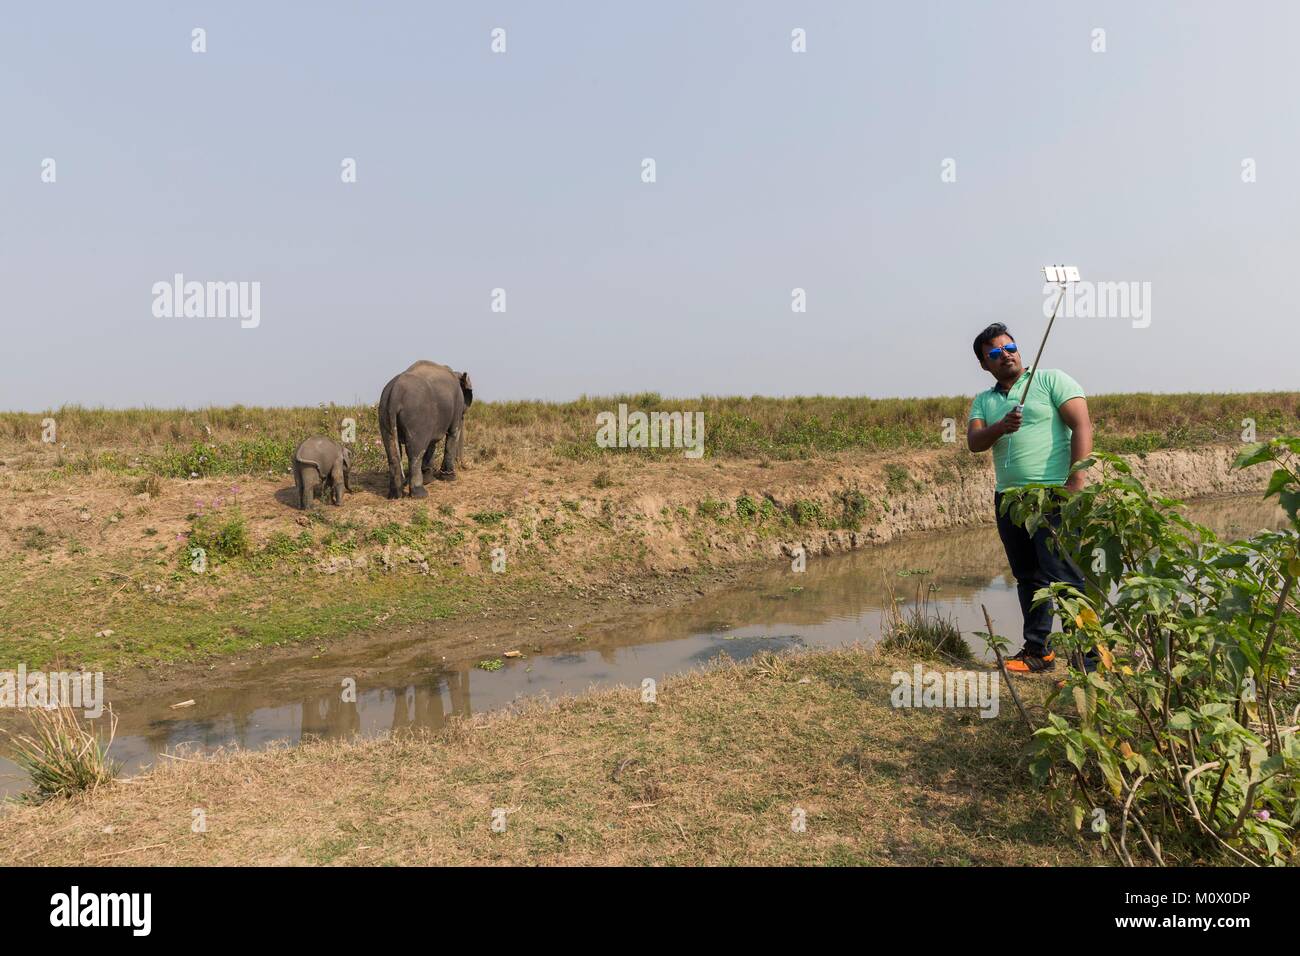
x: 321, y: 461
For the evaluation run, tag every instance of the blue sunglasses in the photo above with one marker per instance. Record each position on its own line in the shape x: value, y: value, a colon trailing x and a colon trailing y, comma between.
x: 996, y: 353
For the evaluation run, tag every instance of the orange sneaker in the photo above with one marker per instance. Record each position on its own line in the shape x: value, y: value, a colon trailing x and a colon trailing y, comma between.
x: 1029, y: 663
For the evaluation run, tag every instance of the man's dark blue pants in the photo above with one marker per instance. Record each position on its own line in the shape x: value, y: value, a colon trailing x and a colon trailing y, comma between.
x: 1034, y: 566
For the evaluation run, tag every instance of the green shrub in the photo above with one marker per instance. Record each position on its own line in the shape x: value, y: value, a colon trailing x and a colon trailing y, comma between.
x: 243, y: 456
x: 222, y: 534
x: 1180, y: 736
x: 36, y: 538
x: 711, y: 508
x: 898, y: 480
x: 281, y: 545
x: 854, y: 508
x: 389, y: 533
x: 805, y: 512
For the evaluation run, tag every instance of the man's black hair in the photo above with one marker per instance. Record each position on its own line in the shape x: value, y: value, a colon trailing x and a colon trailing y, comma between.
x: 988, y: 335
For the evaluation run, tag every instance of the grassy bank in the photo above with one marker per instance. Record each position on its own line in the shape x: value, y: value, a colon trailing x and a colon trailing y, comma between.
x: 710, y: 774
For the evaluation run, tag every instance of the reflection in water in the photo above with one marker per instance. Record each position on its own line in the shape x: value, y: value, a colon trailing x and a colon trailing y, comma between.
x: 837, y: 601
x: 741, y: 649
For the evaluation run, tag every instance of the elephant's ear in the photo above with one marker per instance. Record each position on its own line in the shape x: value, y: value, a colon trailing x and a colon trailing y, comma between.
x: 467, y: 387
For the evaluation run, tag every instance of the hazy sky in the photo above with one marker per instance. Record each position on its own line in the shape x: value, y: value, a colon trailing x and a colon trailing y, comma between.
x: 522, y: 170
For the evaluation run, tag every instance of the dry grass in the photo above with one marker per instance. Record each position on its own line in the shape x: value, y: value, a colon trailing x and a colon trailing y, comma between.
x: 920, y: 631
x: 239, y: 441
x: 709, y: 775
x: 63, y: 756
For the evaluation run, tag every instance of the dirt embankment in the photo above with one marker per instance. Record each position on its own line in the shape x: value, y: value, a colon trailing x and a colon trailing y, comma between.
x: 903, y: 494
x: 658, y: 515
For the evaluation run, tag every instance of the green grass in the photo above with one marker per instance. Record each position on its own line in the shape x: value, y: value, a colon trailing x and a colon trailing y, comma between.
x: 186, y: 621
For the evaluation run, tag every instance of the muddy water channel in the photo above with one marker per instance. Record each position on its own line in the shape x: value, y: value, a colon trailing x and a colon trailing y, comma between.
x: 838, y: 600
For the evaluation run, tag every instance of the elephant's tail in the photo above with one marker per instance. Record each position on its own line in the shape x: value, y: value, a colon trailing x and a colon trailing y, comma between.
x: 389, y: 422
x: 392, y: 447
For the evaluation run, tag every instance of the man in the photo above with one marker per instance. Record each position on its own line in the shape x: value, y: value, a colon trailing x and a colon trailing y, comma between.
x: 1036, y: 447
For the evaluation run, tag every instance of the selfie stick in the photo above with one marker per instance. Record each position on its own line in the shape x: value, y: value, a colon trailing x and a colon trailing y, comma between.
x: 1061, y: 275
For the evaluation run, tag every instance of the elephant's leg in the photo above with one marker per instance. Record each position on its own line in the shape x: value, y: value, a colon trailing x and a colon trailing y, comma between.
x: 393, y: 451
x: 297, y: 481
x: 308, y: 479
x: 415, y: 460
x: 426, y: 463
x: 450, y: 453
x: 336, y: 483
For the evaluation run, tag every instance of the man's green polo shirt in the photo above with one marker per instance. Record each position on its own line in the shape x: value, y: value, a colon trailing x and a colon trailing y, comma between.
x: 1039, y: 453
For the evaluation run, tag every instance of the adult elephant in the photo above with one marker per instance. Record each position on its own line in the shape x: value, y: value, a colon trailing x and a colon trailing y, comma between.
x: 425, y: 403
